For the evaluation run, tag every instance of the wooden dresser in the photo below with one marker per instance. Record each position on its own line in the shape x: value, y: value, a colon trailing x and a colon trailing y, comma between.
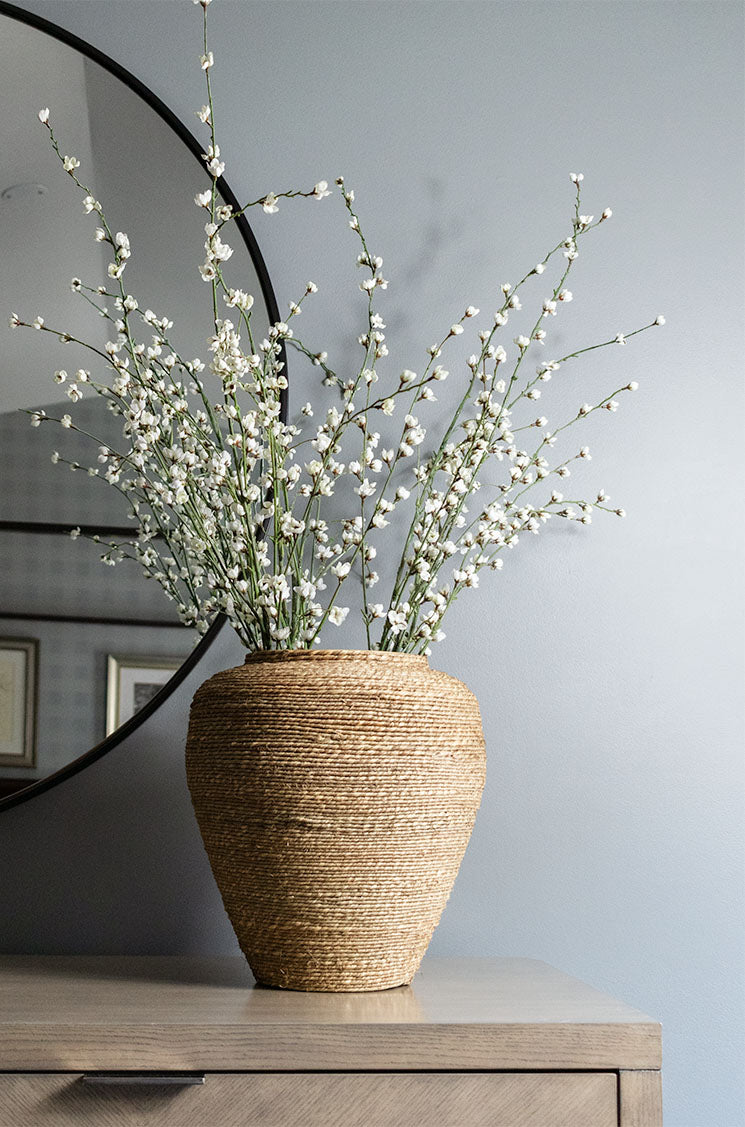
x: 192, y: 1042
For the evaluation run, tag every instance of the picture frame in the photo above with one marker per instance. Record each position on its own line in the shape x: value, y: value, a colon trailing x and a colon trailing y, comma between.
x: 19, y: 676
x: 131, y: 681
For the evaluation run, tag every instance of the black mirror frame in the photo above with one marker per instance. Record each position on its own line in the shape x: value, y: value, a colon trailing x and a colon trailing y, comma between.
x: 167, y: 115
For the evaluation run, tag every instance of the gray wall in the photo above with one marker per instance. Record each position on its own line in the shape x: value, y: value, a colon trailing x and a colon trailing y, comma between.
x: 608, y: 661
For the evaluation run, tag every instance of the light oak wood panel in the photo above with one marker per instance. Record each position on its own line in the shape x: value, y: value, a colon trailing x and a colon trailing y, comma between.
x: 182, y: 1014
x: 640, y: 1099
x: 330, y: 1100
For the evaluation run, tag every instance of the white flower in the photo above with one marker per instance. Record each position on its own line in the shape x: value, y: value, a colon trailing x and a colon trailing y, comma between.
x: 619, y: 339
x: 522, y: 342
x: 38, y: 322
x: 467, y: 576
x: 585, y: 409
x: 472, y: 311
x: 576, y: 177
x: 60, y: 376
x: 70, y: 164
x: 66, y: 421
x: 321, y: 190
x: 289, y: 526
x: 239, y: 299
x: 396, y: 620
x: 219, y: 250
x: 44, y: 115
x: 269, y: 203
x: 337, y: 615
x: 305, y: 589
x: 659, y: 320
x: 204, y: 115
x: 539, y: 268
x: 565, y: 295
x: 203, y: 199
x: 633, y: 386
x: 456, y: 330
x: 74, y: 533
x: 207, y: 60
x: 606, y: 213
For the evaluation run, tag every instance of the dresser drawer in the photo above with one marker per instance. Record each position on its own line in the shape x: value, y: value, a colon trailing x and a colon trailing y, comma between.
x: 370, y: 1099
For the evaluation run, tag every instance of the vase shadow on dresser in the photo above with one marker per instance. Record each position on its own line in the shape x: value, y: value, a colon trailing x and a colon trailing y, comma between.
x: 227, y: 983
x: 218, y: 971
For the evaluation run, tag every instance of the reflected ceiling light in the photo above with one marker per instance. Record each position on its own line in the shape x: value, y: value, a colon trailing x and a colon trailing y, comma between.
x: 19, y: 192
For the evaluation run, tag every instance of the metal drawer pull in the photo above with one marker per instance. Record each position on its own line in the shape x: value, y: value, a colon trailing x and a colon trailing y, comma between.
x: 151, y: 1079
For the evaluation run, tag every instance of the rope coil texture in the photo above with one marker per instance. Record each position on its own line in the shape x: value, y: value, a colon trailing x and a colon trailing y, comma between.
x: 335, y: 791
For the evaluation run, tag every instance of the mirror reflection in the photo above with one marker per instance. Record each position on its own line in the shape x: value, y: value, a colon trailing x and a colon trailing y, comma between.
x: 82, y: 645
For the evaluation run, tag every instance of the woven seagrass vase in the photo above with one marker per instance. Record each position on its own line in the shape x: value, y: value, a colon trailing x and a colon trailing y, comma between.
x: 335, y: 791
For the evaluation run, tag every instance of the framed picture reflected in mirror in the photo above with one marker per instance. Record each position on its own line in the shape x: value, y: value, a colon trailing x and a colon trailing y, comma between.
x: 132, y: 681
x: 19, y: 659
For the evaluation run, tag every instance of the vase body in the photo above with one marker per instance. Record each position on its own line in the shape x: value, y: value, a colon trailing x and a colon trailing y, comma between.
x: 335, y: 792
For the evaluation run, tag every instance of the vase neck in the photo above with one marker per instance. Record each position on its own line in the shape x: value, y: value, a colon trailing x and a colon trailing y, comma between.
x: 401, y: 659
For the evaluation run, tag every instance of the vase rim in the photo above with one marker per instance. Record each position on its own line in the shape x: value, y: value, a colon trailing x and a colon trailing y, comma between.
x: 334, y: 655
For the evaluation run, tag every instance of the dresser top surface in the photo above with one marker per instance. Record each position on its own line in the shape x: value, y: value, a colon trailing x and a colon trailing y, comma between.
x: 106, y: 1012
x: 182, y: 989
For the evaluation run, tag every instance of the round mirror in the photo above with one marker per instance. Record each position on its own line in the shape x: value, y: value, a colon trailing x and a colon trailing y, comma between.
x: 86, y: 651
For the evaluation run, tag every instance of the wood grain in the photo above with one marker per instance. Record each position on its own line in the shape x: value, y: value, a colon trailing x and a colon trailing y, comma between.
x: 199, y: 1014
x: 640, y: 1099
x: 330, y: 1100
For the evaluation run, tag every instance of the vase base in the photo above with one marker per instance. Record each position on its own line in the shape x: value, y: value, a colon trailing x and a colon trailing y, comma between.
x: 332, y: 979
x: 366, y: 989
